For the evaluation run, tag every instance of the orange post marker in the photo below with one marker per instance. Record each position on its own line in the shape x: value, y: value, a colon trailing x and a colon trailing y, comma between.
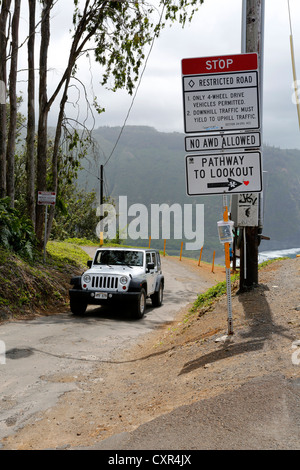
x: 200, y: 256
x: 181, y: 250
x: 213, y: 263
x: 149, y: 241
x: 226, y: 247
x: 165, y: 247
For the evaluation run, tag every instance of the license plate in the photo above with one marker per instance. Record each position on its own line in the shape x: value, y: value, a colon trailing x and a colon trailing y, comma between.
x: 101, y: 295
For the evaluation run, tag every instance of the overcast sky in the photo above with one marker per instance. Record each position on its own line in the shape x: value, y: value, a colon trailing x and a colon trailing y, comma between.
x: 215, y: 30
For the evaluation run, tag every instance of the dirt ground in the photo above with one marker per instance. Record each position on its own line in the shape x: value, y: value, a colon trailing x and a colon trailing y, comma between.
x: 181, y: 364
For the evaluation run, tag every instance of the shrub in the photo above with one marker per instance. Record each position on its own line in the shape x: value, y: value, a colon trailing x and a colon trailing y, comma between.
x: 16, y: 231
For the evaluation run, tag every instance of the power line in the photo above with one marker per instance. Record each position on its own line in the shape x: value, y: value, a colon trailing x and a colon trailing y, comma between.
x: 134, y: 96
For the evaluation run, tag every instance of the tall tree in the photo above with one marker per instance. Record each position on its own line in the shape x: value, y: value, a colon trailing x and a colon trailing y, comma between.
x: 30, y: 138
x: 11, y: 138
x: 4, y: 15
x: 43, y: 113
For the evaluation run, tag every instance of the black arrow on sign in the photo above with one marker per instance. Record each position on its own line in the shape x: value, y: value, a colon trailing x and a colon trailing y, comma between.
x: 230, y: 184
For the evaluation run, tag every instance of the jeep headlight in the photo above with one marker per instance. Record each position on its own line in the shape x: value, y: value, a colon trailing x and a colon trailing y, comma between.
x: 86, y: 278
x: 123, y: 280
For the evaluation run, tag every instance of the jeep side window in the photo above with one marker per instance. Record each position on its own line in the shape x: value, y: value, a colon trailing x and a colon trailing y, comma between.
x: 148, y: 258
x: 158, y: 261
x: 154, y: 259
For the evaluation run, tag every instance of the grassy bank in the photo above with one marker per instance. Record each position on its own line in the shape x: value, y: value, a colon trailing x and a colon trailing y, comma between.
x: 29, y: 288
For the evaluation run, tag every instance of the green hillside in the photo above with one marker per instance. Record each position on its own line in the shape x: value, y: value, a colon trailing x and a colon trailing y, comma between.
x: 147, y: 166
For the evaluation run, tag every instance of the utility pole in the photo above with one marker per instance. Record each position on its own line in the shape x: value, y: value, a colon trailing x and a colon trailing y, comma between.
x: 101, y: 185
x: 252, y: 41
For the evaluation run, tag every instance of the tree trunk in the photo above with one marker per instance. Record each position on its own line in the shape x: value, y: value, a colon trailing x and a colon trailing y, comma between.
x: 56, y: 152
x: 75, y: 51
x: 30, y: 161
x: 3, y: 43
x: 11, y: 140
x: 43, y: 115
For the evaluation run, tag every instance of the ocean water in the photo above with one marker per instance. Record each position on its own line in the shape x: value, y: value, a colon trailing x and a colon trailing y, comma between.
x: 268, y: 255
x: 273, y: 254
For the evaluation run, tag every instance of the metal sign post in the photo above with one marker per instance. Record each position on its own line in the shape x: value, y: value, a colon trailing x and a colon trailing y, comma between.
x: 228, y: 277
x: 225, y: 235
x: 45, y: 234
x: 46, y: 198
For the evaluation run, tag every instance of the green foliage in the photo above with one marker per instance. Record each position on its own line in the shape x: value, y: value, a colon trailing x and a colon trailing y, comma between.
x: 76, y: 215
x: 16, y: 231
x: 82, y: 242
x: 206, y: 299
x: 63, y: 253
x: 26, y: 288
x: 122, y: 30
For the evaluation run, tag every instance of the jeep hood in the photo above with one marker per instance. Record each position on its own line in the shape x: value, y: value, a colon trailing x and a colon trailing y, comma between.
x: 113, y: 269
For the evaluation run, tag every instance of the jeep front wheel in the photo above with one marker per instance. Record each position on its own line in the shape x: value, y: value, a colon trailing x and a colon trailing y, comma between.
x: 140, y: 304
x: 157, y: 297
x: 78, y: 307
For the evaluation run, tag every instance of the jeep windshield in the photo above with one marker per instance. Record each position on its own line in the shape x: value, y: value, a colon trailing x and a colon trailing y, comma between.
x: 116, y: 257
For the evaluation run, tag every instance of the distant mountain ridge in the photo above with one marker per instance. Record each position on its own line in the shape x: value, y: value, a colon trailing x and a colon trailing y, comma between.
x: 147, y: 166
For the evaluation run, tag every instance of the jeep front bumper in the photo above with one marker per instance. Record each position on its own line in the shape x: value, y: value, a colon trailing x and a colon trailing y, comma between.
x: 98, y: 298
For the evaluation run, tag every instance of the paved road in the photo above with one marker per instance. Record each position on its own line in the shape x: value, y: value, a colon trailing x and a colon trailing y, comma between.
x: 263, y: 414
x: 35, y: 350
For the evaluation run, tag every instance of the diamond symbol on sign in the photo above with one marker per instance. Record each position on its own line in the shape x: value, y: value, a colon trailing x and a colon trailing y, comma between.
x: 191, y: 83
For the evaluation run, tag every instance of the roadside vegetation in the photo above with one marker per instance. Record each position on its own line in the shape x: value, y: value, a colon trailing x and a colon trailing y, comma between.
x: 29, y: 287
x: 205, y: 301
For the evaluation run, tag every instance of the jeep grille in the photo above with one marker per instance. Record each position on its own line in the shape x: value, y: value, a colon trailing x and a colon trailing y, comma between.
x: 105, y: 282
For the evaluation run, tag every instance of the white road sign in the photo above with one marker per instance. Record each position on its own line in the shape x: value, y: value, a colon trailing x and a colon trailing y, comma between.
x: 221, y: 93
x: 247, y: 210
x: 46, y: 198
x: 207, y: 142
x: 223, y: 173
x: 221, y: 102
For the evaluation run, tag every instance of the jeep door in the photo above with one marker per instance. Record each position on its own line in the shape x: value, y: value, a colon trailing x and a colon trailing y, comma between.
x: 152, y: 273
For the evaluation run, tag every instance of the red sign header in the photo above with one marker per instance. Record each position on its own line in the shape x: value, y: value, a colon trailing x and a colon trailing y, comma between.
x: 217, y: 64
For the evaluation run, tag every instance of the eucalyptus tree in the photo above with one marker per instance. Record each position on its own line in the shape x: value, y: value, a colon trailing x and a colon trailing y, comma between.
x: 117, y: 33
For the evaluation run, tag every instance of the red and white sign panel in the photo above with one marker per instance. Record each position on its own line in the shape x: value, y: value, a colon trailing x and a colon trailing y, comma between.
x: 218, y: 64
x: 46, y: 198
x: 220, y: 93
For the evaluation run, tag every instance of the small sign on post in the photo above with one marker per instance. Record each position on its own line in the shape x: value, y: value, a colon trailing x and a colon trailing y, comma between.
x: 46, y: 198
x: 225, y: 234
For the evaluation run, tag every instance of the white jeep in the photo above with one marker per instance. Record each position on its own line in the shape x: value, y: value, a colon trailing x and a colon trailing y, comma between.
x: 119, y: 274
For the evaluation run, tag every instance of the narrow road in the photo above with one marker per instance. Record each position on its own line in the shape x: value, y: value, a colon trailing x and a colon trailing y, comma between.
x: 38, y: 350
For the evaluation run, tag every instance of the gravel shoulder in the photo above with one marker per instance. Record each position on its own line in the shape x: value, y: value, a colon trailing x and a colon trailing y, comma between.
x: 188, y: 386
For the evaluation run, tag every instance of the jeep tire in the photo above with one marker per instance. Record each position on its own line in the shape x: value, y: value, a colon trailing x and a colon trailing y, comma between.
x: 157, y: 297
x: 140, y: 305
x: 78, y: 307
